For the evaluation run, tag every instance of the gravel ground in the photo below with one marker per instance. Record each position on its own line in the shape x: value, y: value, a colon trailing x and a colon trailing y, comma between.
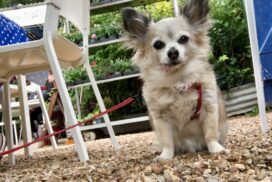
x: 250, y: 160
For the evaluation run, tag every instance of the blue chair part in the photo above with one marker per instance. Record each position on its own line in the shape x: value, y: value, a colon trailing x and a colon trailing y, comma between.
x: 10, y: 32
x: 263, y: 16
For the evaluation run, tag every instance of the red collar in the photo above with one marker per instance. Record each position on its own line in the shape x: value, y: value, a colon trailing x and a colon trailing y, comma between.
x: 198, y: 87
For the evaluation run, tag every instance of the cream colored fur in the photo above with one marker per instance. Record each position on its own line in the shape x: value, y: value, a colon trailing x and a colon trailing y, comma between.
x: 170, y: 101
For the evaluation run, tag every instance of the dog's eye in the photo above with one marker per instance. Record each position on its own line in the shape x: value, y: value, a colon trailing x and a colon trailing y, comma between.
x: 158, y: 45
x: 183, y: 39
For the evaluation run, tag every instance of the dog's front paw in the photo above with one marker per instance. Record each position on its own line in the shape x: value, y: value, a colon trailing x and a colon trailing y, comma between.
x: 167, y: 154
x: 215, y: 147
x: 181, y: 87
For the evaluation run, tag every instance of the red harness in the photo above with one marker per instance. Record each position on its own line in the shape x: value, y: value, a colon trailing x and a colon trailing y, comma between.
x: 198, y: 87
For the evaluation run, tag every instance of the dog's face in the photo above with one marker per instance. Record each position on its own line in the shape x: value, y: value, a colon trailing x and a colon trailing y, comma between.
x: 170, y: 43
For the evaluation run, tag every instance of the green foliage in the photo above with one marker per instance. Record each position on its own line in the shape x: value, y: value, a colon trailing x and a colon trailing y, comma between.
x: 105, y: 62
x: 106, y: 19
x: 75, y: 37
x: 73, y: 74
x: 159, y: 10
x: 116, y: 92
x: 105, y: 31
x: 121, y: 65
x: 111, y: 52
x: 88, y: 96
x: 255, y: 111
x: 106, y: 25
x: 229, y: 37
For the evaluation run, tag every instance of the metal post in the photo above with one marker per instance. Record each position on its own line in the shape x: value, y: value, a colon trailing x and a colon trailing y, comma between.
x: 176, y: 7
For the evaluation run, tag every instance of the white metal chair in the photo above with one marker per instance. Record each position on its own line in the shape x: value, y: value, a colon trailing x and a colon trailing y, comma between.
x: 15, y: 114
x: 249, y: 7
x: 51, y: 52
x: 34, y: 88
x: 39, y: 101
x: 14, y: 130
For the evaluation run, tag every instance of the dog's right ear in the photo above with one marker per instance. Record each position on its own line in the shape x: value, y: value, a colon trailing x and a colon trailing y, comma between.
x: 196, y: 12
x: 135, y: 24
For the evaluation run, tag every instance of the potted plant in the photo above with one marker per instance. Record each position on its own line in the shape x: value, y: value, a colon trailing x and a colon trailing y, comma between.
x: 75, y: 76
x: 75, y: 37
x: 113, y: 31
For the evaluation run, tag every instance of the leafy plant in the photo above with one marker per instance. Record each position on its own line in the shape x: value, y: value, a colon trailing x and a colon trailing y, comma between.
x: 74, y: 74
x: 98, y: 31
x: 106, y: 19
x: 111, y: 52
x: 87, y: 100
x: 229, y: 37
x: 121, y: 65
x: 114, y: 30
x: 75, y: 37
x: 159, y: 10
x: 101, y: 31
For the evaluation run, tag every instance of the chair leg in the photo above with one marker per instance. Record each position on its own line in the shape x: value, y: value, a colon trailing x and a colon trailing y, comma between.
x: 68, y: 132
x: 24, y: 110
x: 102, y: 107
x: 65, y: 98
x: 249, y: 7
x: 2, y: 127
x: 8, y: 122
x: 21, y: 131
x: 46, y: 118
x: 15, y: 132
x: 78, y: 104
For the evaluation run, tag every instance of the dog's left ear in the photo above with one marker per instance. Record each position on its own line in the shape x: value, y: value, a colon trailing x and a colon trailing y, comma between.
x: 196, y: 12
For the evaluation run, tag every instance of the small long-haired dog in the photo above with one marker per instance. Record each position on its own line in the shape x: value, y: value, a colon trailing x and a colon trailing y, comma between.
x: 180, y: 87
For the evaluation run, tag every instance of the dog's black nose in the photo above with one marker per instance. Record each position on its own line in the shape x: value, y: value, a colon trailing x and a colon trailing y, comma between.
x: 173, y: 54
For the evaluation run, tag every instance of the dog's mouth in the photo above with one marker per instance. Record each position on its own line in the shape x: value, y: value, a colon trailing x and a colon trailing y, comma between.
x: 168, y: 67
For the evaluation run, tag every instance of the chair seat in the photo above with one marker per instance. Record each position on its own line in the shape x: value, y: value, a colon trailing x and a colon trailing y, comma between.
x: 34, y: 56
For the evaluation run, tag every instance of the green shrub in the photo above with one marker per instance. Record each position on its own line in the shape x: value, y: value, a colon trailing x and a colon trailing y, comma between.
x: 73, y: 74
x: 106, y: 19
x: 75, y: 37
x: 229, y: 37
x: 106, y: 31
x: 121, y: 65
x: 158, y: 10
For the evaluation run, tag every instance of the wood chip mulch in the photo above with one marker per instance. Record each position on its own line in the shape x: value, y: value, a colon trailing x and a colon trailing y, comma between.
x: 250, y: 160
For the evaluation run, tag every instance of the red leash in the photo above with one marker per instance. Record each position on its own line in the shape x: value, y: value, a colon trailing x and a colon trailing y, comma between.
x: 118, y: 106
x: 198, y: 87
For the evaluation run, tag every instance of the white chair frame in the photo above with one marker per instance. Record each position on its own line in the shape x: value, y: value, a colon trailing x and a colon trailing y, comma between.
x: 32, y: 88
x: 249, y: 6
x: 53, y: 53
